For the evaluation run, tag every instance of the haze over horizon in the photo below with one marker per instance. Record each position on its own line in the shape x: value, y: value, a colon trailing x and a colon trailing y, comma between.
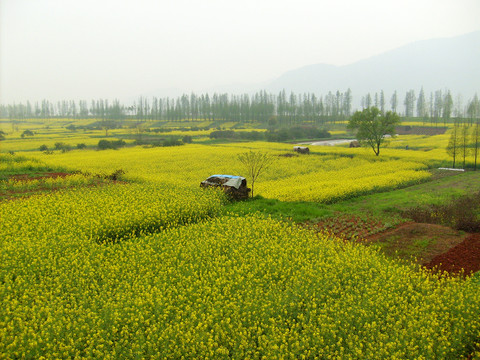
x: 57, y: 49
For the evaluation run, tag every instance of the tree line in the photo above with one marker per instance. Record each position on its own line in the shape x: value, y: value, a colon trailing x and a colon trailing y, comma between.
x: 285, y: 109
x: 436, y: 108
x: 464, y: 143
x: 261, y: 107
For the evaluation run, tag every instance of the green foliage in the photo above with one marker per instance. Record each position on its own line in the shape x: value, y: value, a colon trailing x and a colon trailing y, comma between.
x: 110, y: 144
x: 172, y: 142
x: 372, y: 126
x: 2, y: 135
x: 43, y: 147
x: 62, y: 147
x: 462, y: 213
x: 297, y: 132
x: 187, y: 139
x: 453, y: 147
x: 236, y: 135
x: 81, y: 146
x: 27, y: 133
x: 276, y: 135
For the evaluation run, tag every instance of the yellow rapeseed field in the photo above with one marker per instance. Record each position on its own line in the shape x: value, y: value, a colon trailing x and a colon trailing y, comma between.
x: 155, y: 268
x: 327, y: 174
x: 231, y: 287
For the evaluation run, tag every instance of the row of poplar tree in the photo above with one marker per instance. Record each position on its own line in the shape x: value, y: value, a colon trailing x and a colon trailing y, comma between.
x: 464, y: 142
x: 439, y: 105
x: 262, y: 106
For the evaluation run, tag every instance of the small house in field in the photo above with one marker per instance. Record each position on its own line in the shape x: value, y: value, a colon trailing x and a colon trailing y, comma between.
x: 301, y: 149
x: 234, y: 186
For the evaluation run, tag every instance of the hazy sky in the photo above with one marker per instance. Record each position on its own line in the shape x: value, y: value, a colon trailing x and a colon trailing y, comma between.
x: 83, y: 49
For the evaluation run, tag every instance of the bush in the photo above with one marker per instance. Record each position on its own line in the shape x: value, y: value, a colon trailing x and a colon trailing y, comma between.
x: 297, y: 132
x: 187, y: 139
x: 460, y: 213
x: 59, y: 145
x: 27, y: 133
x: 223, y: 134
x: 114, y: 144
x: 43, y: 147
x: 81, y: 146
x: 172, y: 142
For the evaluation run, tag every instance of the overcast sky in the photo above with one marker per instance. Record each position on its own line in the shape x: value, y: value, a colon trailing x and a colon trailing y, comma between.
x: 72, y: 49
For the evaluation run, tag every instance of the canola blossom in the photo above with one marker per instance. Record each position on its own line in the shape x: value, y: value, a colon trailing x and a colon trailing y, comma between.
x: 48, y: 183
x: 327, y: 175
x: 230, y: 287
x: 107, y: 213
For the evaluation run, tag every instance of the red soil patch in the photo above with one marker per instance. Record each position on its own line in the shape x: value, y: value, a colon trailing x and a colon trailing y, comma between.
x: 418, y: 241
x: 420, y: 130
x: 465, y: 255
x: 350, y: 227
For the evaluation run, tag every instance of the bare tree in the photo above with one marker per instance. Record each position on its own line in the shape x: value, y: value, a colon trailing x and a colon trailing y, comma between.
x: 255, y: 163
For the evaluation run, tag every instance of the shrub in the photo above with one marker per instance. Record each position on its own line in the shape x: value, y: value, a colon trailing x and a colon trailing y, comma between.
x: 297, y: 132
x: 172, y: 142
x: 459, y: 213
x: 27, y: 133
x: 81, y: 146
x: 114, y: 144
x: 187, y: 139
x: 59, y: 145
x: 223, y: 134
x: 43, y: 147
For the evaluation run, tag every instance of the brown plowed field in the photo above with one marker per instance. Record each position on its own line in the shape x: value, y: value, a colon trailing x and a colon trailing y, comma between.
x: 465, y: 255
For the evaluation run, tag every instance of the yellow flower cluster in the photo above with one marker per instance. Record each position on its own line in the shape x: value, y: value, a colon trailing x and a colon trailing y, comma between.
x: 14, y: 164
x: 328, y: 174
x: 343, y: 178
x: 49, y: 183
x: 230, y: 287
x: 107, y: 213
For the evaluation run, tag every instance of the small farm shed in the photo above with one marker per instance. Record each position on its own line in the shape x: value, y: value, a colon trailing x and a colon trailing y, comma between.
x: 301, y: 149
x: 234, y: 186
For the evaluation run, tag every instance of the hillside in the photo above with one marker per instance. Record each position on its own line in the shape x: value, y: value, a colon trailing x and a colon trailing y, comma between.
x: 450, y: 63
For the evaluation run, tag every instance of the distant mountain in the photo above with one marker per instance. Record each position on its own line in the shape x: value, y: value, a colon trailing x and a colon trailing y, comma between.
x: 450, y: 63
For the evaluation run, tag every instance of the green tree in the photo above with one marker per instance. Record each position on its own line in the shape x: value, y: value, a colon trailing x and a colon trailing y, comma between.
x: 394, y: 101
x: 464, y: 149
x: 409, y: 103
x: 382, y: 101
x: 27, y: 133
x: 453, y: 147
x: 475, y: 141
x: 421, y: 105
x: 255, y: 163
x: 372, y: 127
x: 447, y: 107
